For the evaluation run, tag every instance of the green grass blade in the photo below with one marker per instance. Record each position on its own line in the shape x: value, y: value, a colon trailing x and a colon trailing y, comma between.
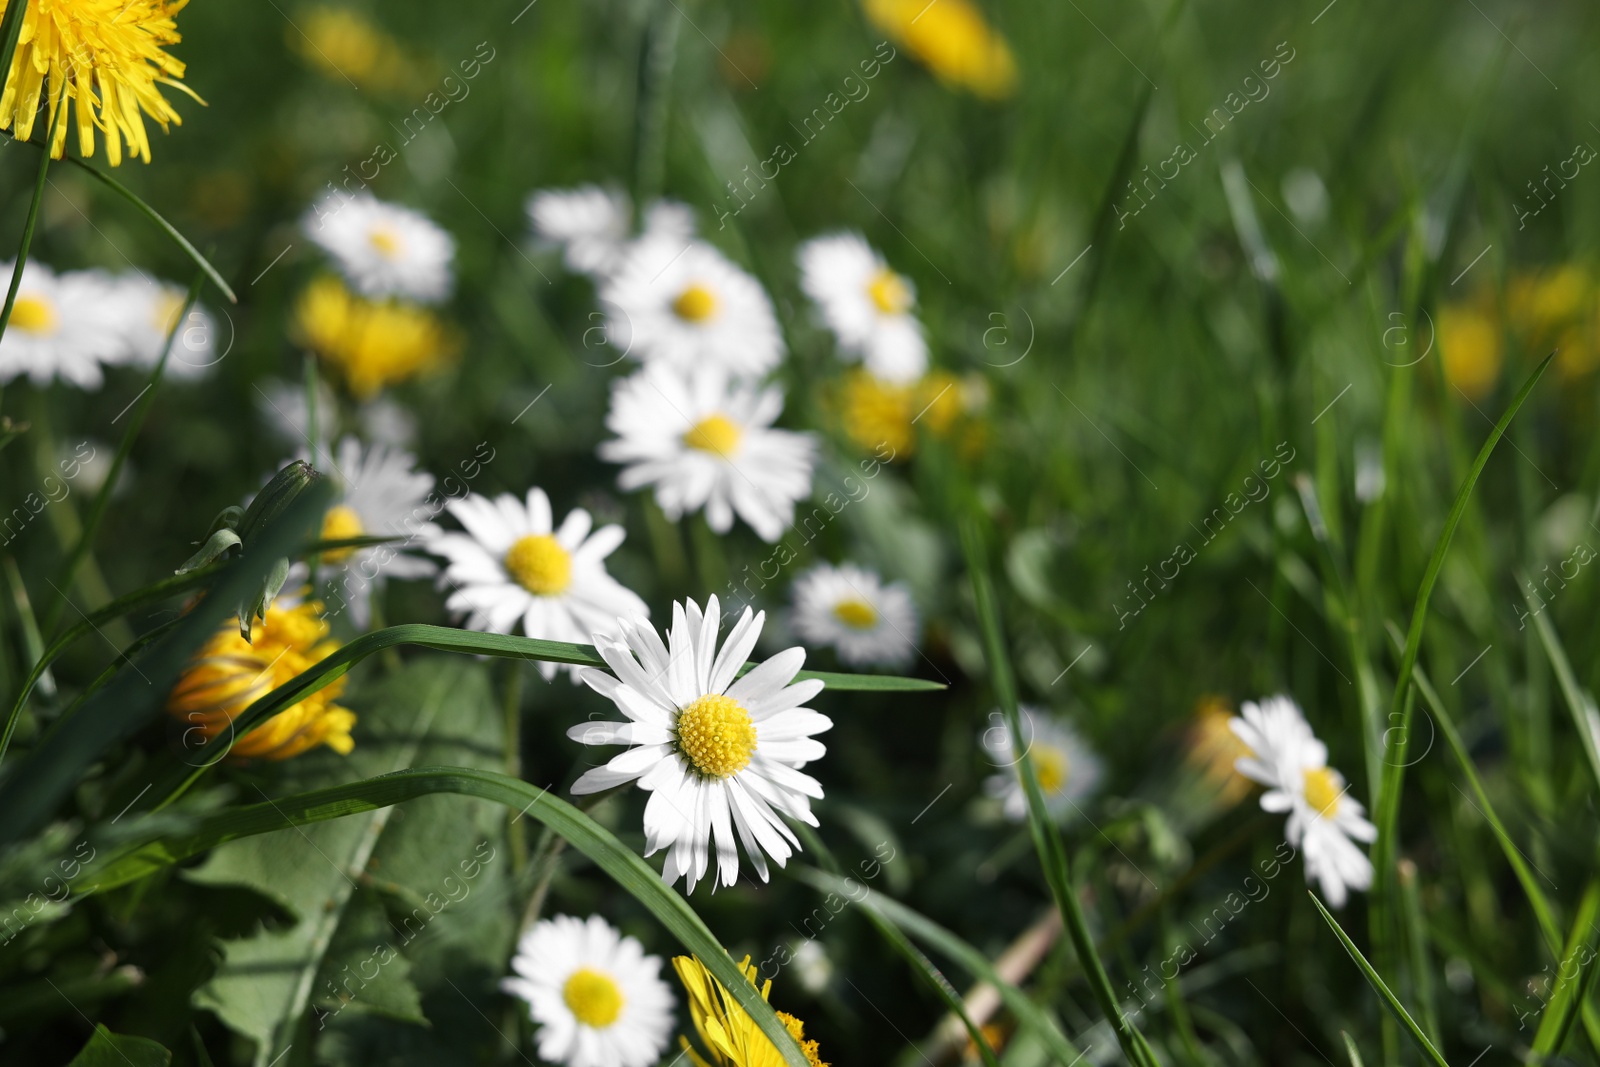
x: 832, y: 882
x: 33, y: 214
x: 1046, y: 837
x: 29, y: 795
x: 1458, y: 749
x: 1388, y: 812
x: 1570, y: 989
x: 1350, y: 1047
x: 166, y: 227
x: 1382, y: 990
x: 102, y: 497
x: 581, y: 832
x: 150, y: 594
x: 1584, y: 717
x: 972, y: 961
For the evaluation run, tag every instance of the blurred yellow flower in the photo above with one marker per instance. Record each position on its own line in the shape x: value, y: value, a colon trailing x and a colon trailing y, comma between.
x: 1556, y: 308
x: 1472, y: 347
x: 371, y: 344
x: 726, y: 1030
x: 953, y: 40
x: 108, y: 57
x: 342, y: 44
x: 229, y: 673
x: 1213, y: 748
x: 883, y: 416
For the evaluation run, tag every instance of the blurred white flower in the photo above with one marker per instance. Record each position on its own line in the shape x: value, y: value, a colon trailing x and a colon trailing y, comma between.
x: 282, y: 406
x: 812, y: 965
x: 866, y: 305
x: 1370, y: 476
x: 383, y: 249
x: 865, y: 620
x: 719, y: 757
x: 381, y: 494
x: 1067, y: 769
x: 150, y: 308
x: 1324, y: 820
x: 598, y: 999
x: 62, y: 326
x: 681, y: 302
x: 703, y: 442
x: 513, y: 565
x: 591, y: 225
x: 388, y: 422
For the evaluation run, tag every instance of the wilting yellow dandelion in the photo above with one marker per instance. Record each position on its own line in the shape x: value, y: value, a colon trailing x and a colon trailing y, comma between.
x: 342, y: 44
x: 883, y: 417
x: 108, y: 57
x: 1472, y: 346
x: 727, y: 1032
x: 953, y: 40
x: 229, y: 673
x: 371, y: 344
x: 1213, y: 749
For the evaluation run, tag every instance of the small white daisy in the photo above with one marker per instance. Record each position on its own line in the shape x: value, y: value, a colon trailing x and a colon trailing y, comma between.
x: 1067, y: 769
x: 598, y: 999
x: 381, y: 494
x: 513, y: 564
x: 866, y: 305
x: 683, y: 303
x: 1325, y: 821
x: 705, y: 442
x: 719, y: 757
x: 151, y: 308
x: 867, y: 621
x: 591, y: 225
x: 62, y: 326
x: 383, y: 249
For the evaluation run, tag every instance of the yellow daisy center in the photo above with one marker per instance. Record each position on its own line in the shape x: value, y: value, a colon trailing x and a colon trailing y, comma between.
x: 890, y: 293
x: 540, y: 565
x: 339, y: 523
x: 716, y: 434
x: 1051, y: 767
x: 716, y: 736
x: 1323, y: 791
x: 34, y: 314
x: 385, y: 241
x: 695, y: 304
x: 594, y: 999
x: 856, y: 613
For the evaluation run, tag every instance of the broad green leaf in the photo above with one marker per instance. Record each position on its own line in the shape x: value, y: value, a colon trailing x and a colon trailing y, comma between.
x: 1377, y: 983
x: 106, y: 1049
x: 344, y: 954
x: 618, y: 861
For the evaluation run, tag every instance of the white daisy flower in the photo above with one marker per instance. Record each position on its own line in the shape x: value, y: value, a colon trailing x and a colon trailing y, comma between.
x: 868, y: 622
x: 1067, y: 769
x: 719, y: 757
x: 1325, y: 821
x: 282, y: 406
x: 62, y: 326
x: 381, y: 494
x: 683, y: 303
x: 705, y: 442
x: 866, y: 305
x: 383, y: 249
x: 513, y: 564
x: 598, y: 999
x: 591, y: 225
x: 151, y: 308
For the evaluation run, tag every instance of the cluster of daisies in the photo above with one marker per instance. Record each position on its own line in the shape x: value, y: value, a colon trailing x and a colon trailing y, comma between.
x: 71, y: 325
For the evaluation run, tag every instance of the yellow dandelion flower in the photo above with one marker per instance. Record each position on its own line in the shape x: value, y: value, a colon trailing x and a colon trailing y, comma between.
x: 1472, y: 347
x: 342, y: 44
x: 370, y: 344
x: 229, y: 673
x: 1213, y: 748
x: 1556, y: 309
x: 727, y: 1032
x: 883, y: 417
x: 108, y: 57
x: 953, y: 40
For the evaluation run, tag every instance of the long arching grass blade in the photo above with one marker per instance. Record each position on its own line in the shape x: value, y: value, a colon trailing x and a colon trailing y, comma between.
x: 581, y: 832
x: 1585, y: 719
x: 1573, y: 978
x: 1378, y: 986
